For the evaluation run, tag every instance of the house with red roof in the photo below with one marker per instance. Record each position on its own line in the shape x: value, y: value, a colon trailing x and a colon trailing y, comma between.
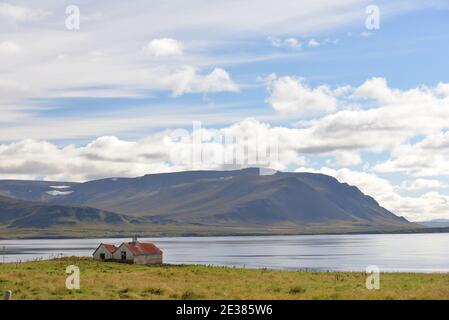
x: 129, y: 252
x: 104, y: 252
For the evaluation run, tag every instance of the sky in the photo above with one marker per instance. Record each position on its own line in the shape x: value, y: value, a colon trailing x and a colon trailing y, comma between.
x: 358, y: 90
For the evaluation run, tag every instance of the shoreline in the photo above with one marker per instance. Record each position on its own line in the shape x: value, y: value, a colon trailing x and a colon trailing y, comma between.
x: 428, y: 230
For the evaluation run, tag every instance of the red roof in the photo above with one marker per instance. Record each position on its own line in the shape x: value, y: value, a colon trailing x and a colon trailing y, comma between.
x: 110, y: 247
x: 142, y: 248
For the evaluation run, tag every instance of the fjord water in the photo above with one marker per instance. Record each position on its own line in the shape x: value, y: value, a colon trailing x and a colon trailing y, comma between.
x: 390, y: 252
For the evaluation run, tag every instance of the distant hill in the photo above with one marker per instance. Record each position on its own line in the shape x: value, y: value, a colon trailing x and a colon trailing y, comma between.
x: 24, y: 214
x: 222, y: 198
x: 436, y: 223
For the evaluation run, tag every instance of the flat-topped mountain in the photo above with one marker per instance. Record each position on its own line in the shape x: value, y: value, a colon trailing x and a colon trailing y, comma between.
x: 220, y: 198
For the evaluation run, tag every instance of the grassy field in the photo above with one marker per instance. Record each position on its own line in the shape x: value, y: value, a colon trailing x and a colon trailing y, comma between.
x: 46, y: 280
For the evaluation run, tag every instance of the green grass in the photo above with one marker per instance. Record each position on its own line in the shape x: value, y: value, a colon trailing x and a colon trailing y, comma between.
x: 46, y: 280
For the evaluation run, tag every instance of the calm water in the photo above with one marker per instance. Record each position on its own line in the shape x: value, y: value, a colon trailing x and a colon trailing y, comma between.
x: 410, y: 252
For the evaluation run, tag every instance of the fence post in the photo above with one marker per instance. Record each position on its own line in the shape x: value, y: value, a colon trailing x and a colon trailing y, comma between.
x: 7, y: 295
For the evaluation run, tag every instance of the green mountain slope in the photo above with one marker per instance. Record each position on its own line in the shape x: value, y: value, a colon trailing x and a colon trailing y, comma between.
x: 24, y: 214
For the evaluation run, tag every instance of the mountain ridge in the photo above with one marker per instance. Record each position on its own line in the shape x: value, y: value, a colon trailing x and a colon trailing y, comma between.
x: 234, y: 198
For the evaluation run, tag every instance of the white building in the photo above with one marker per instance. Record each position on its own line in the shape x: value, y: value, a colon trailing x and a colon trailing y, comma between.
x: 104, y: 252
x: 129, y: 252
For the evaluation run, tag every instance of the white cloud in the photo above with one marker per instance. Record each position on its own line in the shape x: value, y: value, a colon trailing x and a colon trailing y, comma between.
x: 292, y: 42
x: 420, y: 184
x: 289, y: 42
x: 442, y: 88
x: 368, y: 183
x: 67, y: 68
x: 348, y: 158
x: 106, y: 156
x: 431, y: 205
x: 400, y: 115
x: 109, y: 156
x: 428, y: 157
x: 366, y: 34
x: 376, y: 88
x: 9, y: 89
x: 164, y: 47
x: 188, y: 80
x: 20, y: 13
x: 313, y: 43
x: 121, y: 31
x: 395, y: 117
x: 387, y: 126
x: 292, y: 96
x: 9, y: 47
